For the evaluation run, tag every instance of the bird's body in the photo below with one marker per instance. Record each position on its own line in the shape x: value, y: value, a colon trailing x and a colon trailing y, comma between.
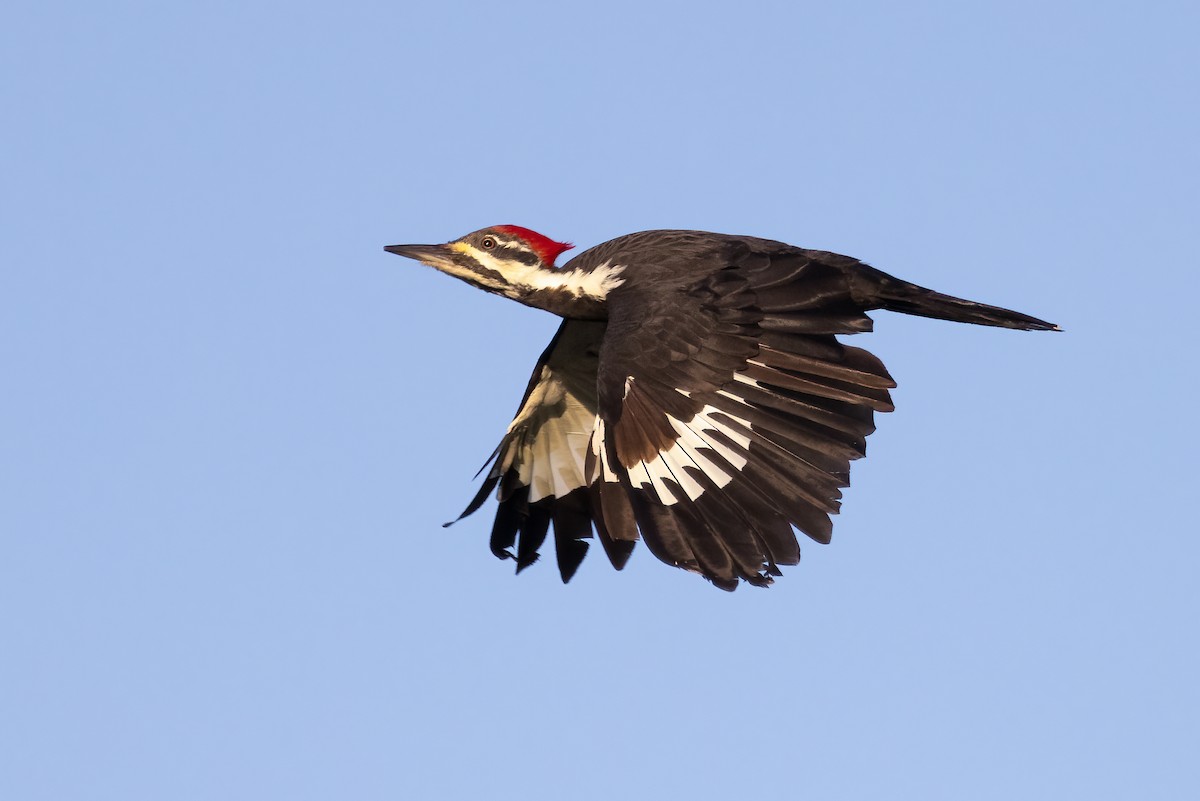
x: 695, y: 396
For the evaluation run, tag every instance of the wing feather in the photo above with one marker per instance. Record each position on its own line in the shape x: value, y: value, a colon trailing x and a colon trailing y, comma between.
x: 730, y: 449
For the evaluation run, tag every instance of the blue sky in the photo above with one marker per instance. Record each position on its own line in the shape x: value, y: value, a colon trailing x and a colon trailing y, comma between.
x: 232, y: 425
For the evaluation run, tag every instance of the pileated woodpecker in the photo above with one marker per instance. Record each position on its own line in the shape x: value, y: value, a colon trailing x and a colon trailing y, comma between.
x: 695, y: 393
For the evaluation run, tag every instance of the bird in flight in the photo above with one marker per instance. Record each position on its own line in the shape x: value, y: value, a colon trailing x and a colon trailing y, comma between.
x: 695, y: 395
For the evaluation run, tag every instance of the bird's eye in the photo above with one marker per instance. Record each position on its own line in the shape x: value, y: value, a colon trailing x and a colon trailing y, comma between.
x: 488, y: 243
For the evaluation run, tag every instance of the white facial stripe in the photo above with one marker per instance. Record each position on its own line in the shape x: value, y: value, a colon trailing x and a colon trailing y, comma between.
x: 520, y: 277
x: 694, y: 435
x: 458, y: 271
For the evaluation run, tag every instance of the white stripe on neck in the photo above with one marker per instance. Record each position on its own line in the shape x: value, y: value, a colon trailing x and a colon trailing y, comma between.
x: 522, y: 278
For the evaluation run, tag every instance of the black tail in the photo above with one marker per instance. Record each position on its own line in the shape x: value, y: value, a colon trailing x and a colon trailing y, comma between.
x: 883, y: 291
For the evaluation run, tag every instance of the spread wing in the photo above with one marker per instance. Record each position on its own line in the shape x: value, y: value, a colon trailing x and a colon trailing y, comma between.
x: 539, y: 465
x: 730, y: 413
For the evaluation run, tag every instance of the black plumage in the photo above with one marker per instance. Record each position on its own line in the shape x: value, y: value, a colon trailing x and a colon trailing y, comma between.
x: 696, y: 396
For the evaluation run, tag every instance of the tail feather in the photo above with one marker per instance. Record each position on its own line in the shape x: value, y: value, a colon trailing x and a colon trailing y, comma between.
x: 883, y: 291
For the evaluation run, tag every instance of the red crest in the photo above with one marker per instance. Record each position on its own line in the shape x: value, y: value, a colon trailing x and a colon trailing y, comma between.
x: 547, y: 249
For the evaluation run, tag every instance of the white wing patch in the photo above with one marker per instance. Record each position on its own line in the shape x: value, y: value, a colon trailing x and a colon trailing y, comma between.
x: 688, y: 451
x: 554, y: 461
x: 546, y: 443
